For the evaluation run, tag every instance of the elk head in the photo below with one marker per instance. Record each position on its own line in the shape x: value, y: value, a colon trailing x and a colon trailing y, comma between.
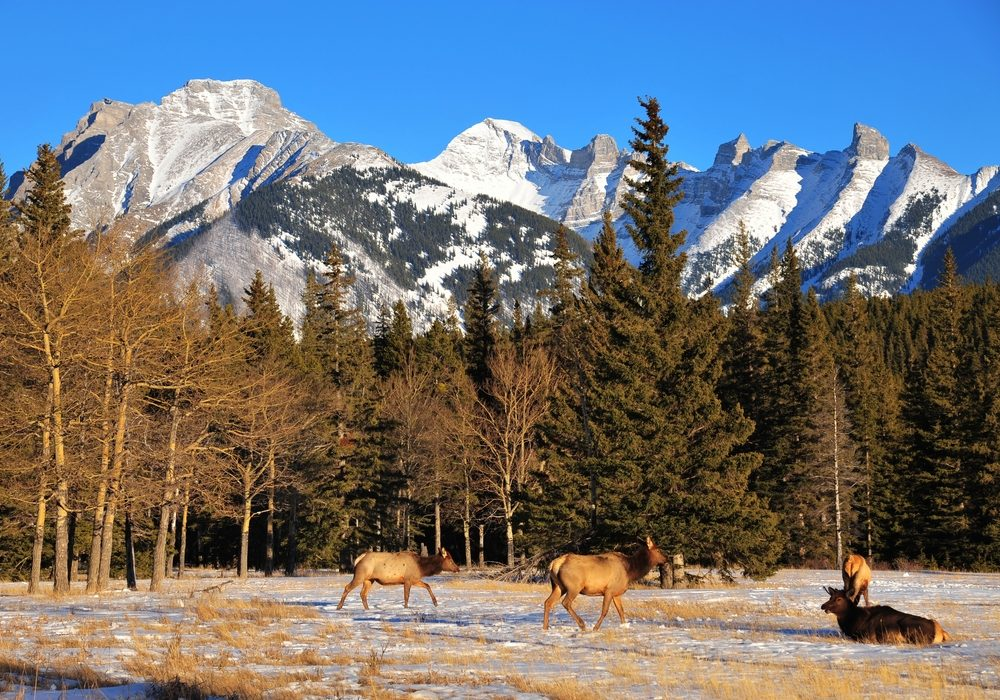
x: 838, y: 604
x: 447, y: 563
x: 656, y: 557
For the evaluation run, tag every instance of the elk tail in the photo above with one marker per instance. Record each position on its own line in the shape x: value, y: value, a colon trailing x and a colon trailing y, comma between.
x: 940, y: 636
x: 554, y: 570
x: 357, y: 559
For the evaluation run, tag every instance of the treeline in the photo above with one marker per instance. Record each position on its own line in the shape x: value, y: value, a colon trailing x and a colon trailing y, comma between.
x: 783, y: 432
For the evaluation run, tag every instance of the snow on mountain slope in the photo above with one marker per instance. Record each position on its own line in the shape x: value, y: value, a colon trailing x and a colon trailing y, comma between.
x: 507, y: 161
x: 210, y: 141
x: 836, y: 208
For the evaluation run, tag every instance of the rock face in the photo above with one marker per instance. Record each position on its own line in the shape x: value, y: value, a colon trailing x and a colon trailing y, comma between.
x: 229, y: 181
x: 505, y: 160
x: 209, y: 141
x: 836, y: 208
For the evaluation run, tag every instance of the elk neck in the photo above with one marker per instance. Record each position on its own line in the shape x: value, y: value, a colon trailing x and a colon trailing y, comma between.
x: 430, y: 566
x: 638, y: 564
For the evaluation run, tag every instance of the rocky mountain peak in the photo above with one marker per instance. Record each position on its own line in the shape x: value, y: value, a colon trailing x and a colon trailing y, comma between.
x: 868, y: 144
x: 732, y: 152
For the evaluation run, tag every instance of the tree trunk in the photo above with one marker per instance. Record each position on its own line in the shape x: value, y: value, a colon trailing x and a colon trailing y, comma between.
x: 269, y: 544
x: 71, y: 559
x: 293, y: 514
x: 868, y: 503
x: 466, y: 523
x: 482, y: 546
x: 182, y: 550
x: 437, y: 524
x: 39, y: 544
x: 129, y: 554
x: 61, y: 566
x: 114, y: 492
x: 836, y: 474
x: 510, y: 541
x: 61, y: 570
x: 245, y: 533
x: 94, y: 560
x: 169, y: 491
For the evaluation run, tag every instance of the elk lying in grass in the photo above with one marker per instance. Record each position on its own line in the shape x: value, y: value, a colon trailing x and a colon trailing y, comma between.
x: 606, y: 575
x: 394, y: 568
x: 880, y: 623
x: 857, y: 576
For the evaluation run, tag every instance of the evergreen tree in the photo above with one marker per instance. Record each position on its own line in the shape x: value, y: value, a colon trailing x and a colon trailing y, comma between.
x: 564, y: 502
x: 268, y: 331
x: 743, y: 350
x: 979, y: 372
x: 672, y: 446
x: 941, y: 521
x: 873, y: 402
x: 481, y: 309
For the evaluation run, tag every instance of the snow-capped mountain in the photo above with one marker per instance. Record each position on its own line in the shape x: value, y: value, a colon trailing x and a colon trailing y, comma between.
x: 231, y: 181
x: 858, y: 211
x: 228, y: 180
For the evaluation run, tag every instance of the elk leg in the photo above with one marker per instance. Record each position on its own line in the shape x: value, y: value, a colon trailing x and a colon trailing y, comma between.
x: 568, y: 604
x: 364, y: 593
x: 604, y: 610
x: 347, y: 589
x: 617, y: 600
x: 406, y: 594
x: 424, y: 585
x: 549, y: 602
x: 865, y: 592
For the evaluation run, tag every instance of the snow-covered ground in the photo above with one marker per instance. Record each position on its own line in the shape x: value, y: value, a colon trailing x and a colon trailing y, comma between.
x: 284, y: 637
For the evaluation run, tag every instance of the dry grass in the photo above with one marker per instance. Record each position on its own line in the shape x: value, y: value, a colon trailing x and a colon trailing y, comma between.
x: 257, y: 611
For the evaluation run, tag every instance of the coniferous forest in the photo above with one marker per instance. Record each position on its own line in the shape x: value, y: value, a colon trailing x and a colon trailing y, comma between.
x: 148, y: 428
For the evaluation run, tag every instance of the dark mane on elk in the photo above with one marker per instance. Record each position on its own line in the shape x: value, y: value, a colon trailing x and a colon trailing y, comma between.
x: 607, y: 575
x: 880, y: 623
x: 394, y: 568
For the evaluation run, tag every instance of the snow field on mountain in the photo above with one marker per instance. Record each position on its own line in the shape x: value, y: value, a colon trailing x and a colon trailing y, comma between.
x: 284, y: 637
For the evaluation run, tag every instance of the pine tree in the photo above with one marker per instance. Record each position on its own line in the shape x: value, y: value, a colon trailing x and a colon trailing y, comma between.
x: 673, y: 448
x: 979, y: 372
x: 941, y: 520
x: 743, y: 350
x: 268, y: 330
x: 872, y: 400
x: 564, y: 503
x: 481, y: 336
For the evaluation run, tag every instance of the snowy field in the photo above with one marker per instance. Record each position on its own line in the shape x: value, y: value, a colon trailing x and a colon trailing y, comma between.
x: 284, y: 638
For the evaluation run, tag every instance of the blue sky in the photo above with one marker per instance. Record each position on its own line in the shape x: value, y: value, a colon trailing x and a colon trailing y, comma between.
x: 408, y: 76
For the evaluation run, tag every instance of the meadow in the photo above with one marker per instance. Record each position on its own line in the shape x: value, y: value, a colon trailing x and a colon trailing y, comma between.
x: 283, y: 638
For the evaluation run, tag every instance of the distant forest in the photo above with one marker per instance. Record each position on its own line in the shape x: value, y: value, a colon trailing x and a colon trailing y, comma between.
x: 147, y: 431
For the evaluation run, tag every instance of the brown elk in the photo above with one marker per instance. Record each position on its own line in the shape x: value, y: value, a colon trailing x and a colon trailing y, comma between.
x: 607, y: 575
x: 857, y: 576
x: 880, y: 623
x: 394, y: 568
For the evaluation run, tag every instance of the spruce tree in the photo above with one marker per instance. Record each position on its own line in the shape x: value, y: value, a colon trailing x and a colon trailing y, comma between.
x: 672, y: 447
x: 941, y: 521
x: 481, y: 334
x: 268, y: 330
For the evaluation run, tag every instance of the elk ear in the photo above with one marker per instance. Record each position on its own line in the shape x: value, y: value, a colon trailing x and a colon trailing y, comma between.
x: 443, y: 552
x: 649, y: 542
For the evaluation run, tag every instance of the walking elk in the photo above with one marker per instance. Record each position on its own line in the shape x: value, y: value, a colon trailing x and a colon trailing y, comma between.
x: 394, y: 568
x: 607, y: 575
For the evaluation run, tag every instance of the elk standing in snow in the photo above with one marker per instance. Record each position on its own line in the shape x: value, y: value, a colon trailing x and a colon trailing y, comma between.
x: 857, y: 576
x: 880, y: 623
x: 394, y: 568
x: 606, y: 575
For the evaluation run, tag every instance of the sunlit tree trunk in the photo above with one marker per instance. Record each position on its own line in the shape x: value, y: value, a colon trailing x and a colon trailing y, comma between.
x: 166, y: 508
